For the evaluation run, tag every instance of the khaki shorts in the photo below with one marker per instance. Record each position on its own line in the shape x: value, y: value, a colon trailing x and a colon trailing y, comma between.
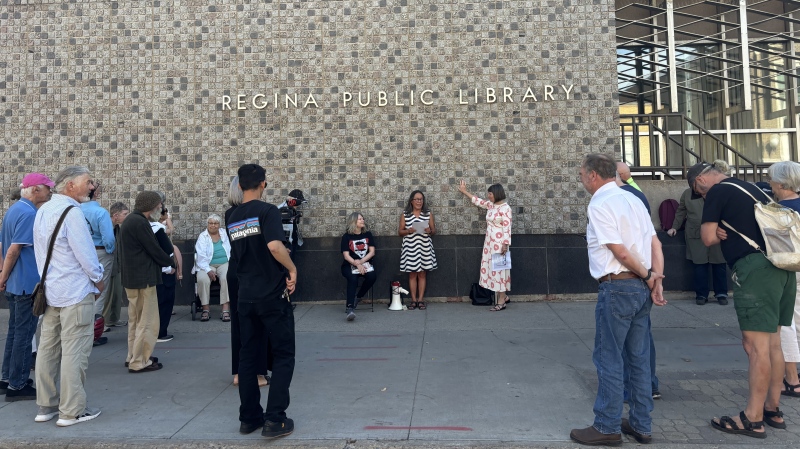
x: 763, y: 295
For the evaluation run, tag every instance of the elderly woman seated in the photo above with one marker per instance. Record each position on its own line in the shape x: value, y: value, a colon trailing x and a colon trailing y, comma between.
x: 212, y: 252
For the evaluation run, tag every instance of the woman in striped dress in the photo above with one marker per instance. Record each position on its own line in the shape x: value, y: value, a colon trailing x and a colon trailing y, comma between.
x: 417, y: 256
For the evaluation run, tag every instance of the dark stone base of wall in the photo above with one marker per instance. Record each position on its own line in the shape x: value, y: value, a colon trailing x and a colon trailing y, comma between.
x: 543, y: 265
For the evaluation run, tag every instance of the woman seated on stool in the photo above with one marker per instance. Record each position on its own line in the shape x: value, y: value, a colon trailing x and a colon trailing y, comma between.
x: 358, y: 247
x: 213, y: 250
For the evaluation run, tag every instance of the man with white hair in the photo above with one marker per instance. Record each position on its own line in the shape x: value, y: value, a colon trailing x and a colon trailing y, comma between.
x: 74, y: 278
x: 18, y: 277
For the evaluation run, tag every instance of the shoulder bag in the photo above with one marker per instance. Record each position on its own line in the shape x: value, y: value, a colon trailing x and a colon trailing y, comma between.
x: 481, y: 296
x: 39, y: 298
x: 780, y: 227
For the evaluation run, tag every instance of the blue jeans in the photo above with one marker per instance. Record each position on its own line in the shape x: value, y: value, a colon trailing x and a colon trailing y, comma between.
x: 21, y: 327
x: 719, y: 276
x: 622, y: 341
x: 653, y: 377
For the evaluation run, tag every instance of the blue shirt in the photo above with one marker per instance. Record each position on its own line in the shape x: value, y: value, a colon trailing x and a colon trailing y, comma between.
x: 99, y: 222
x: 18, y: 229
x: 638, y: 194
x: 793, y: 203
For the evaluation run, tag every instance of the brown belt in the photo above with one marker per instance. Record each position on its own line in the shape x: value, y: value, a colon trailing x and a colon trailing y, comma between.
x: 99, y: 247
x: 616, y: 277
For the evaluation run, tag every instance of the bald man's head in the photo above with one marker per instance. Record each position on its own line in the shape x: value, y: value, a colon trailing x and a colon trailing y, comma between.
x: 624, y: 171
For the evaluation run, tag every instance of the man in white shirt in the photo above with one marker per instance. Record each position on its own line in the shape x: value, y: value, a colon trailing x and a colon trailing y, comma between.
x: 626, y: 259
x: 74, y: 278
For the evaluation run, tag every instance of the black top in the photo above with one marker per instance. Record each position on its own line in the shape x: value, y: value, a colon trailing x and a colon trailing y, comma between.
x: 140, y: 254
x: 638, y: 193
x: 251, y: 226
x: 727, y: 202
x: 357, y: 244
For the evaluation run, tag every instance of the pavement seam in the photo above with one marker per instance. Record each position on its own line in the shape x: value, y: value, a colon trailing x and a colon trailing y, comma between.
x: 567, y: 326
x: 199, y: 412
x: 416, y: 381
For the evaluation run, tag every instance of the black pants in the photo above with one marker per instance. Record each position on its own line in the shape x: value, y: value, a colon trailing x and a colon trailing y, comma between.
x: 166, y: 300
x: 352, y: 284
x: 265, y: 360
x: 274, y: 319
x: 719, y: 276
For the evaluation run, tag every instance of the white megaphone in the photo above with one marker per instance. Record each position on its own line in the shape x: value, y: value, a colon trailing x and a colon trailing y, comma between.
x: 397, y: 303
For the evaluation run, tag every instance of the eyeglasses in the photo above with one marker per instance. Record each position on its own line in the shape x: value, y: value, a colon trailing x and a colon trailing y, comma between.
x: 418, y: 199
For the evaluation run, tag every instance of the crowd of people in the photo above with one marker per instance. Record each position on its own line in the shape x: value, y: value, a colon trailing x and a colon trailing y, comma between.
x: 88, y: 259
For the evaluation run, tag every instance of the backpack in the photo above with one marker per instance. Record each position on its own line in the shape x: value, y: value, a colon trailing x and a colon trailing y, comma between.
x: 780, y: 227
x: 666, y: 214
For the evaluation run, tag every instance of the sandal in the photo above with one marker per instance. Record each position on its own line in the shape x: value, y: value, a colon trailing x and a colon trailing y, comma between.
x: 412, y: 305
x: 790, y: 390
x: 263, y: 381
x: 226, y: 316
x: 498, y: 308
x: 728, y: 425
x: 421, y: 305
x: 768, y: 415
x: 205, y: 316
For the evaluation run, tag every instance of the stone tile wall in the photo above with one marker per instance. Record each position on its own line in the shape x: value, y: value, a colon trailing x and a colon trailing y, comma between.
x: 134, y: 90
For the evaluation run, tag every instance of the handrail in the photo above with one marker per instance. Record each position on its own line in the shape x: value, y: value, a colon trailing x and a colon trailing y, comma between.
x: 742, y: 165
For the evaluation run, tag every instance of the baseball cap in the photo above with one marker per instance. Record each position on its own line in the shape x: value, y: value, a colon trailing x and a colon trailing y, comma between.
x: 36, y: 179
x: 298, y: 195
x: 695, y: 171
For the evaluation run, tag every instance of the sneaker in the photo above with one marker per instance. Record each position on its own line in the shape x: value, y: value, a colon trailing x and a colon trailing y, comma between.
x: 87, y: 415
x: 350, y: 315
x: 278, y: 429
x: 165, y: 338
x: 656, y: 394
x: 108, y: 329
x: 248, y: 428
x: 120, y: 323
x: 722, y: 300
x: 25, y: 393
x: 100, y: 341
x: 3, y: 387
x: 701, y: 300
x: 46, y: 414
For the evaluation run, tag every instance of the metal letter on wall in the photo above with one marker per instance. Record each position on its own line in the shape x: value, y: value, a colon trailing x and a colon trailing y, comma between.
x: 745, y: 56
x: 673, y: 76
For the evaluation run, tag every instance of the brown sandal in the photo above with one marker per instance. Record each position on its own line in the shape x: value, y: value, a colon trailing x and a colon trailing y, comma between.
x: 498, y: 308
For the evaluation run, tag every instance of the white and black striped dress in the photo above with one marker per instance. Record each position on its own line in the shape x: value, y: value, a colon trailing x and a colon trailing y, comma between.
x: 417, y: 252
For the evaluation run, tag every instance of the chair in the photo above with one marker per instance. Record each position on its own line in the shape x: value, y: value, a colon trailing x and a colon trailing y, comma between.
x: 370, y: 294
x: 195, y: 306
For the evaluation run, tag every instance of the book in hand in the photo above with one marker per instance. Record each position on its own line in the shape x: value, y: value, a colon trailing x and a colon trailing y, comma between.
x: 367, y: 266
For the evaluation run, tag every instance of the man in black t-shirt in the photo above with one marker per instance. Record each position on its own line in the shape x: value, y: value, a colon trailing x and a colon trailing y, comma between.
x: 266, y: 275
x: 763, y: 295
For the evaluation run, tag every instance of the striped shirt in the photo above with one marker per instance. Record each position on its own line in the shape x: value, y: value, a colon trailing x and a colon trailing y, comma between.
x: 74, y: 267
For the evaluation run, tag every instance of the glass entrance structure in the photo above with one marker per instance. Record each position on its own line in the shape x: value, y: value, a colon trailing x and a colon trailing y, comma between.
x: 730, y: 67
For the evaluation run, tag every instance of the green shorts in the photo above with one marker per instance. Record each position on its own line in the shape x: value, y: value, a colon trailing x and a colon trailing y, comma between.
x: 763, y: 295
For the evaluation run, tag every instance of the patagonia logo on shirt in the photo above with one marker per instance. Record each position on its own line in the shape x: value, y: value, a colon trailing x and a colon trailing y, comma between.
x: 244, y: 228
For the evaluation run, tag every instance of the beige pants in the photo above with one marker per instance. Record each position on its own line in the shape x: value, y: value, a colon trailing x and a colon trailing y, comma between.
x: 143, y: 326
x: 204, y: 284
x: 63, y: 356
x: 789, y: 334
x: 108, y: 265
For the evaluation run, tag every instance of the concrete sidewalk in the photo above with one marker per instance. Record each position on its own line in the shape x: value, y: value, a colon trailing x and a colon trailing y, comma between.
x: 454, y: 375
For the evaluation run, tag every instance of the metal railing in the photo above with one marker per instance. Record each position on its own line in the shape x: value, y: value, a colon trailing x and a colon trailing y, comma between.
x: 671, y: 148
